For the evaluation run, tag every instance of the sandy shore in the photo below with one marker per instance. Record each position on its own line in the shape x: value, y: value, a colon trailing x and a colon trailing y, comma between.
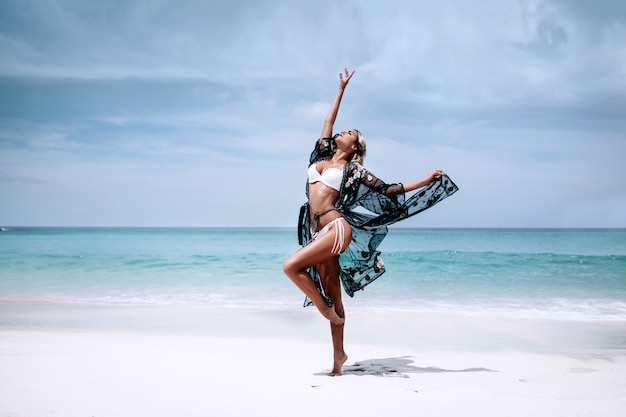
x: 173, y: 361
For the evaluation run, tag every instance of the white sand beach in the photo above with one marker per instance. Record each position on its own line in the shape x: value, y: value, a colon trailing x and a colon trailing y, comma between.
x: 72, y: 360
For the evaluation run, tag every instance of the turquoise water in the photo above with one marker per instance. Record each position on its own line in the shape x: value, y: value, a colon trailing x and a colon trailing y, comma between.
x: 563, y: 274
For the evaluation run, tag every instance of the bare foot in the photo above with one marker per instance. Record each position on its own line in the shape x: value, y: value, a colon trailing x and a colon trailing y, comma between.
x: 338, y: 364
x: 331, y: 315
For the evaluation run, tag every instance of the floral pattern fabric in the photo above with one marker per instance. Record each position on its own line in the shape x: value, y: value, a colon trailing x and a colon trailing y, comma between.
x: 369, y: 205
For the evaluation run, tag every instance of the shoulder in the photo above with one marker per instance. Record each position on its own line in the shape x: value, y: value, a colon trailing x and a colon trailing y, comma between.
x: 324, y: 149
x: 355, y: 169
x: 324, y: 143
x: 354, y: 165
x: 353, y: 174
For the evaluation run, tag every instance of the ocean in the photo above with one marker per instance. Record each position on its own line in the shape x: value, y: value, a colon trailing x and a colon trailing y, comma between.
x: 567, y: 274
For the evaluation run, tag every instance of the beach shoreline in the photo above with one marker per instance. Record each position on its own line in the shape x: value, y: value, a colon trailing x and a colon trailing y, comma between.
x: 76, y: 360
x: 381, y: 327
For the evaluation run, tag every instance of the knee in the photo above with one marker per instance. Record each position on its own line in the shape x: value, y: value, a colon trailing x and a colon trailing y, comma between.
x: 288, y: 267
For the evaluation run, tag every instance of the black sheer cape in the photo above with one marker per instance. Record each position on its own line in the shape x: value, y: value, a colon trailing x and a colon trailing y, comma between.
x: 369, y: 205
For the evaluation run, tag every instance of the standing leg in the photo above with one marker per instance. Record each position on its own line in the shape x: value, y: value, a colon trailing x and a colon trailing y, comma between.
x: 329, y: 273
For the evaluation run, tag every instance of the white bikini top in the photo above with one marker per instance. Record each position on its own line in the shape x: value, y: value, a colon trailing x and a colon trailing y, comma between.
x: 331, y: 178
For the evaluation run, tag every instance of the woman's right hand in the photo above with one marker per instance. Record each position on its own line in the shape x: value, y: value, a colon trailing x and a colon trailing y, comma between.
x: 343, y: 82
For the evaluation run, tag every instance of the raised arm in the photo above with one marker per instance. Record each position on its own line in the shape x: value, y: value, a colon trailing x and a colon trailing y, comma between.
x: 327, y: 130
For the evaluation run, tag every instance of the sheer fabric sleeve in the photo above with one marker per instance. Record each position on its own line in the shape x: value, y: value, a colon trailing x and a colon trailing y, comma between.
x: 387, y: 202
x: 362, y: 188
x: 427, y: 197
x: 324, y: 149
x: 376, y: 184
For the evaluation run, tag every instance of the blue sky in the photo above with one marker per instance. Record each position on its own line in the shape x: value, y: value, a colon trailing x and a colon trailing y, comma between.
x: 203, y: 113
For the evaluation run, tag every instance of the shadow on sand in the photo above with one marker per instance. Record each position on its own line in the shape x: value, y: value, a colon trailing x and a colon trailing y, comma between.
x: 396, y: 367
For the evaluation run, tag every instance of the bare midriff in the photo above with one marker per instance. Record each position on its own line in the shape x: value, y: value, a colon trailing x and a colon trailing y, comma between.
x: 322, y: 200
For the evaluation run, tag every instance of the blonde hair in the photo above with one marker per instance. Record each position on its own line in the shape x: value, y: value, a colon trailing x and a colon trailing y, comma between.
x: 359, y: 155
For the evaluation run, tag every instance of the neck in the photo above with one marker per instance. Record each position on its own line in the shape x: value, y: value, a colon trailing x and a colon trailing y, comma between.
x: 340, y: 156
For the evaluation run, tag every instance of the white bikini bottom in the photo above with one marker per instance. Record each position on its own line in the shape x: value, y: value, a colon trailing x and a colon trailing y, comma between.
x: 339, y: 234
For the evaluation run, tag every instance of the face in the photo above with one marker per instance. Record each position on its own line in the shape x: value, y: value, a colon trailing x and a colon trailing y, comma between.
x: 348, y: 138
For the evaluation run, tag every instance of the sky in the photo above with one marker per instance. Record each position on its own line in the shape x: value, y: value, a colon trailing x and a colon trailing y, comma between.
x: 200, y: 113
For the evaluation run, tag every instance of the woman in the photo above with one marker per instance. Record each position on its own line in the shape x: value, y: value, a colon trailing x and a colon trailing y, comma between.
x: 340, y: 244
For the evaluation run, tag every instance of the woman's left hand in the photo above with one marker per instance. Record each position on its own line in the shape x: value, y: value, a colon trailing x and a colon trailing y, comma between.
x: 433, y: 175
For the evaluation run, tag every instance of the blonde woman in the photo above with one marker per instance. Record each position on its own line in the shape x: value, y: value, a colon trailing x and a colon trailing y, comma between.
x: 339, y: 243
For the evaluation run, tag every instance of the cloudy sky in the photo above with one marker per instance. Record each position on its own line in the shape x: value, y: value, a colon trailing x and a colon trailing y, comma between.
x: 203, y: 113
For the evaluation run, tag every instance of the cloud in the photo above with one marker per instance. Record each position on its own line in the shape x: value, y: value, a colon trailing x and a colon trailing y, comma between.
x: 448, y: 52
x: 172, y: 103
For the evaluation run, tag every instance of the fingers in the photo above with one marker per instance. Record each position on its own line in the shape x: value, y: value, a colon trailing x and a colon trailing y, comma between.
x: 436, y: 174
x: 348, y: 76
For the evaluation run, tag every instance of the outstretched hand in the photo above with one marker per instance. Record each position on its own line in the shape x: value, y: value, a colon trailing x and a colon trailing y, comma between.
x: 343, y: 82
x: 433, y: 175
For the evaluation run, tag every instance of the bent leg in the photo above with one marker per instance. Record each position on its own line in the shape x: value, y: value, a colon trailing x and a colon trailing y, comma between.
x: 295, y: 267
